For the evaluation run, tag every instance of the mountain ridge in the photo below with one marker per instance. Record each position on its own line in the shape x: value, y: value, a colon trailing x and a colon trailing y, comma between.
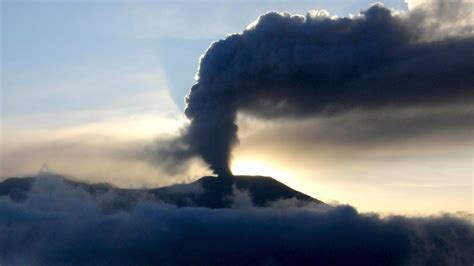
x: 207, y: 191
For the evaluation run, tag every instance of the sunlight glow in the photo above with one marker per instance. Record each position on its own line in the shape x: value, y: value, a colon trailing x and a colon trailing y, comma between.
x: 250, y: 166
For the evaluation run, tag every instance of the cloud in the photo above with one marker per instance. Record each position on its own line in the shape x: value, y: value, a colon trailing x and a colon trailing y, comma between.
x: 295, y: 67
x: 121, y: 149
x: 58, y: 224
x: 413, y: 160
x: 367, y: 128
x: 435, y: 20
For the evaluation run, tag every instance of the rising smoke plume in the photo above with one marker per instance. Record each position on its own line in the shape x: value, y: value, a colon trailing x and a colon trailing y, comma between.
x: 292, y: 66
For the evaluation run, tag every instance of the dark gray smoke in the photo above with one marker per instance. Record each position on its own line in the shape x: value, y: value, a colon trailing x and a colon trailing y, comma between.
x: 298, y: 66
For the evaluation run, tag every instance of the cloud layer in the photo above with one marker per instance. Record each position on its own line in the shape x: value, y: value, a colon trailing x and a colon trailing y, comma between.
x: 120, y: 150
x: 291, y: 66
x: 60, y: 225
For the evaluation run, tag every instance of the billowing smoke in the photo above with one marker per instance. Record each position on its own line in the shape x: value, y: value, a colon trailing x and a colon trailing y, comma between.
x: 292, y: 66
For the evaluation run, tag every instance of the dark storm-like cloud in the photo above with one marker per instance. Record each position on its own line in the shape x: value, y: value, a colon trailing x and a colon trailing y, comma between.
x: 291, y: 66
x: 60, y: 225
x: 366, y: 128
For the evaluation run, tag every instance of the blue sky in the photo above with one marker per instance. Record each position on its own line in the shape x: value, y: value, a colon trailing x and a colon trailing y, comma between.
x: 48, y: 43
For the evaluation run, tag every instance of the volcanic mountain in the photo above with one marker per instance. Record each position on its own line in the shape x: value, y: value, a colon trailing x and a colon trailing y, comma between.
x: 208, y: 191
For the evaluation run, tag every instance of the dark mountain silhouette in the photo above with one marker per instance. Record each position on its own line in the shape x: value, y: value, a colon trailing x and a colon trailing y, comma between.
x: 208, y: 191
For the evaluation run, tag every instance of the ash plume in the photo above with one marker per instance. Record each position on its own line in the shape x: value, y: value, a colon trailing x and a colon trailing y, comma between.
x: 292, y: 66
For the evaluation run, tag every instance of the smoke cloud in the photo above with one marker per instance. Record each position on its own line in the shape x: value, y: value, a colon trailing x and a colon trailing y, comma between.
x: 292, y: 66
x: 63, y: 225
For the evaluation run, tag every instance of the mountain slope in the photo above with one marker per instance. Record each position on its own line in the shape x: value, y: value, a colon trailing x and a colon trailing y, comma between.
x: 208, y: 191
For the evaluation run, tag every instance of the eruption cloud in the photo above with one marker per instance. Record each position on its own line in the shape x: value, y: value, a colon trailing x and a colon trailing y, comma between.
x: 292, y: 66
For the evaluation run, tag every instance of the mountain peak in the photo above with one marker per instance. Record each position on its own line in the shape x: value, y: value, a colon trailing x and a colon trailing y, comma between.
x: 208, y: 191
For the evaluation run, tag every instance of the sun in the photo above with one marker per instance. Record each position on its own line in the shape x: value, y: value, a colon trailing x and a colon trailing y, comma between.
x: 251, y: 166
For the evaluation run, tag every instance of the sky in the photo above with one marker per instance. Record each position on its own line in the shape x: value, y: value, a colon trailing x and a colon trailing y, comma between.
x: 90, y: 88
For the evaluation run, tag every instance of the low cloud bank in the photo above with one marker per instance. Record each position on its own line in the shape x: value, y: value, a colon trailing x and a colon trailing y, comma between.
x: 60, y: 225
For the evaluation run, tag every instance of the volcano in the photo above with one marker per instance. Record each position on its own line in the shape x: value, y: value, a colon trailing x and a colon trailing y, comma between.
x: 208, y: 191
